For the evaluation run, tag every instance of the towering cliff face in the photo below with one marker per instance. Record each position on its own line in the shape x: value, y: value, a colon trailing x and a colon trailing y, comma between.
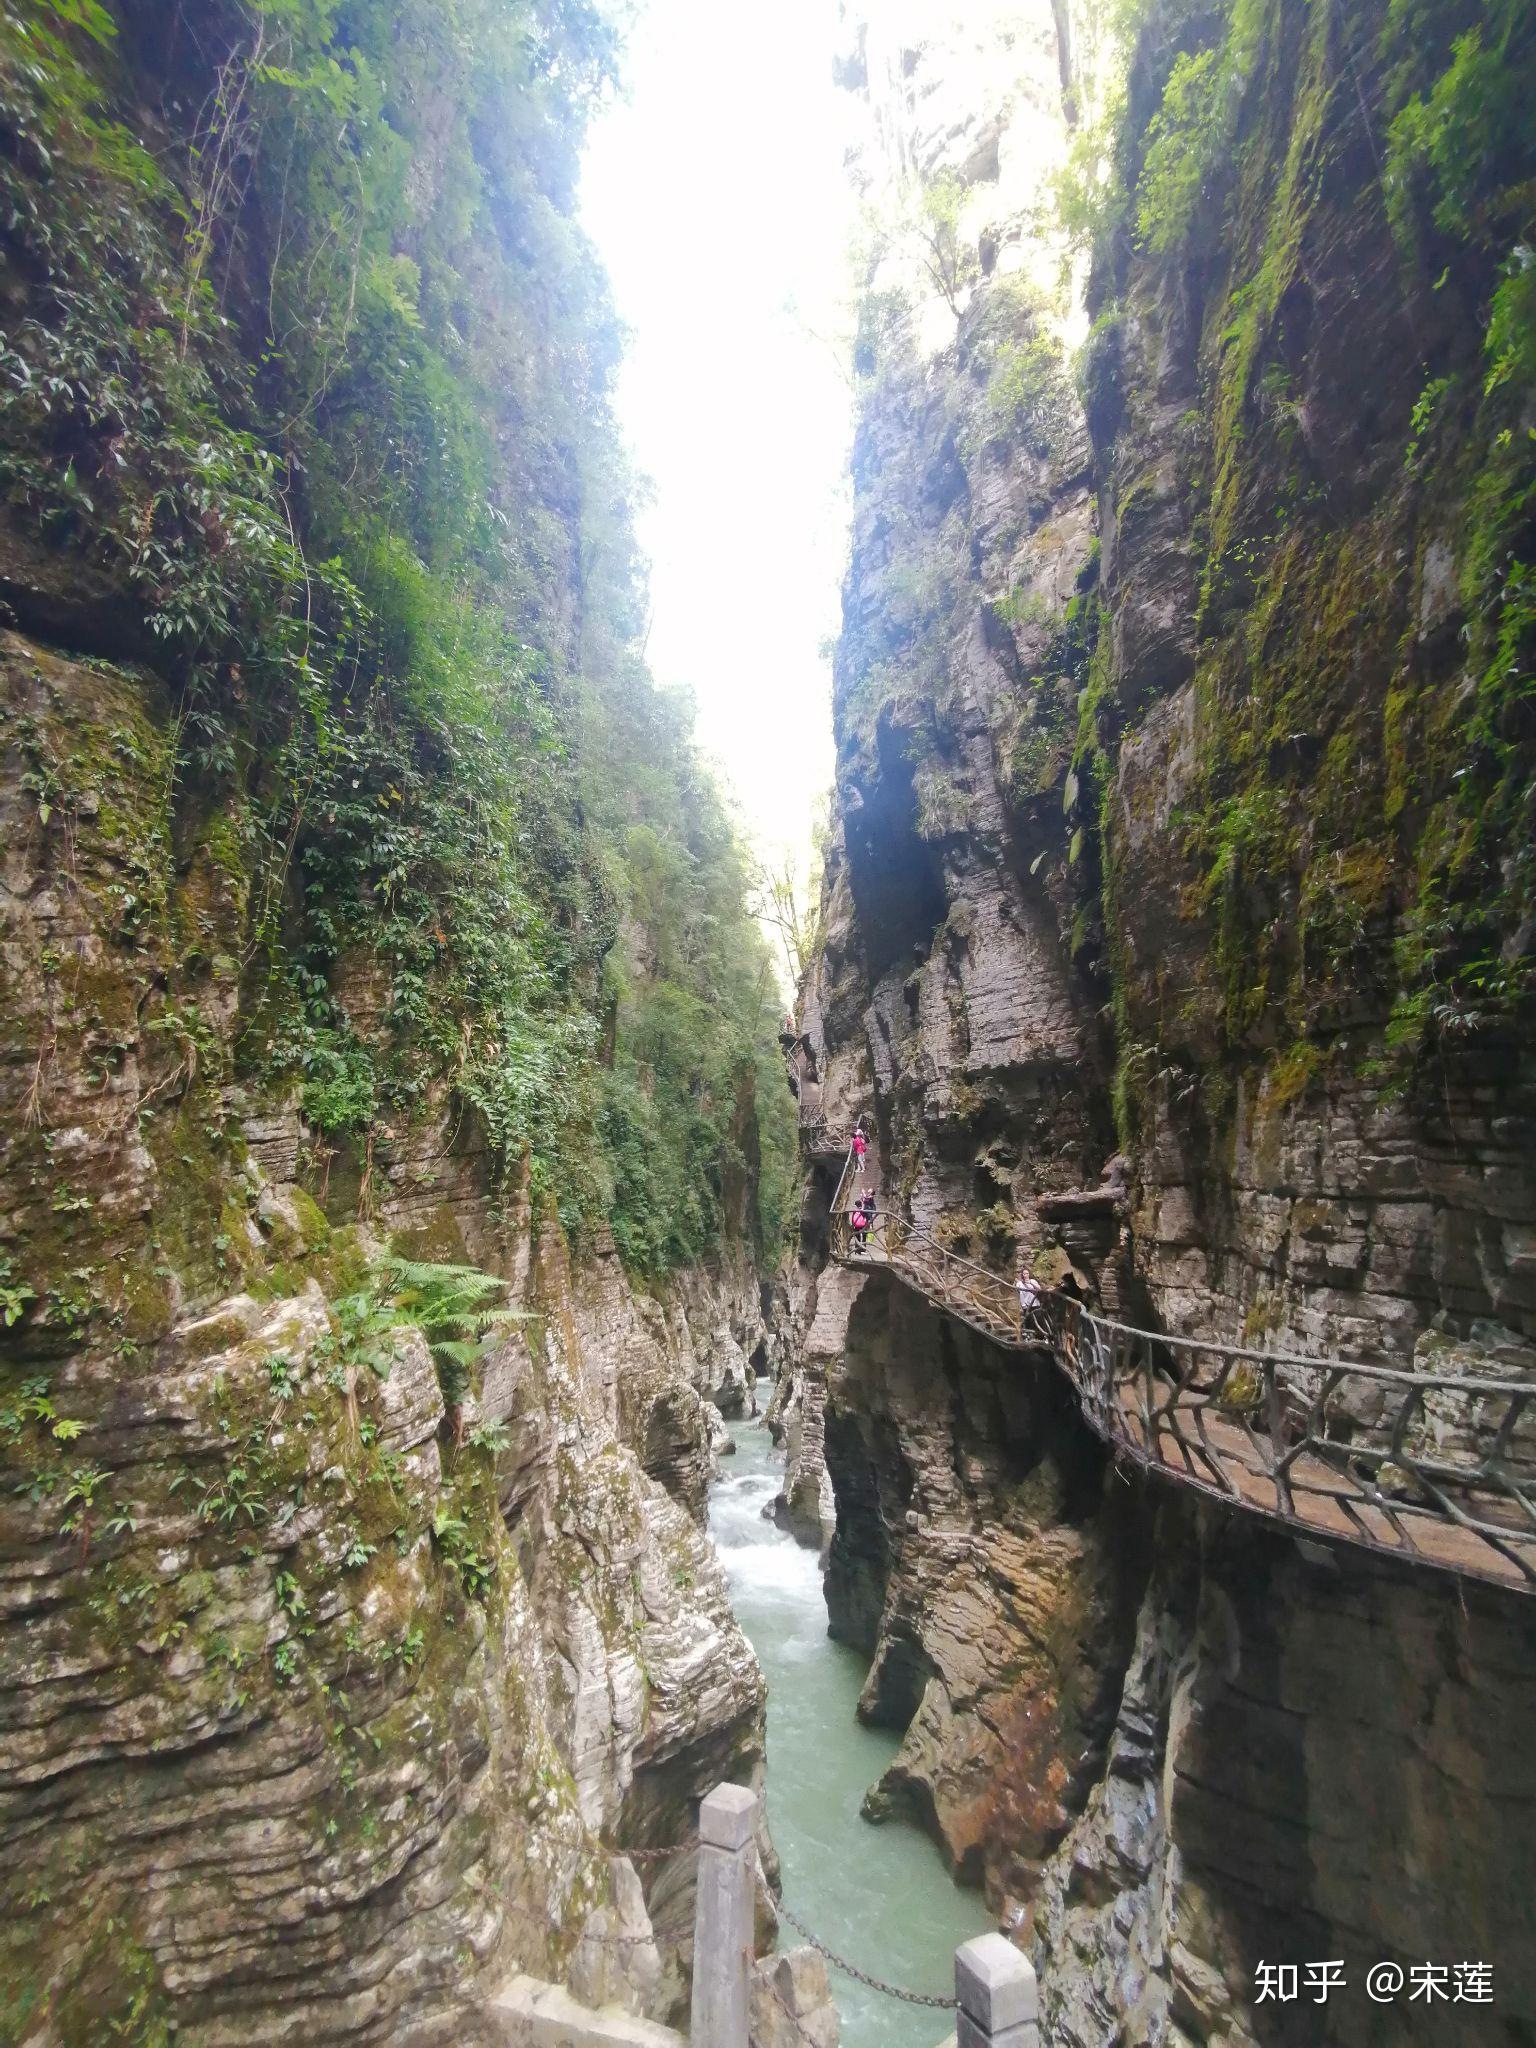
x: 1177, y: 932
x: 974, y: 1554
x: 358, y: 1348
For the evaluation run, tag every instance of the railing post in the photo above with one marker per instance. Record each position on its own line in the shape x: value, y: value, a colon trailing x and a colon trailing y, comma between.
x: 723, y: 1924
x: 997, y: 2002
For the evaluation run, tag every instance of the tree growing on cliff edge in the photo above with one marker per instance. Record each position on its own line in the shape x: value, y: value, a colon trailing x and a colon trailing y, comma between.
x: 945, y: 251
x: 786, y: 900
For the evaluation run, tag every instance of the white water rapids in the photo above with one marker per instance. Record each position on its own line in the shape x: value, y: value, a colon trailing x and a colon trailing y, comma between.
x: 878, y: 1895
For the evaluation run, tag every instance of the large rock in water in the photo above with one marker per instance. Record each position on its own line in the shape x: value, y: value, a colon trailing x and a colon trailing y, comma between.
x: 721, y: 1443
x: 975, y: 1557
x: 730, y: 1378
x: 804, y: 1506
x: 674, y: 1361
x: 797, y: 1413
x: 792, y: 2004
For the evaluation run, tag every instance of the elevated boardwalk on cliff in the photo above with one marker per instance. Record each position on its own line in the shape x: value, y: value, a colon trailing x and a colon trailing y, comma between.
x: 1433, y: 1469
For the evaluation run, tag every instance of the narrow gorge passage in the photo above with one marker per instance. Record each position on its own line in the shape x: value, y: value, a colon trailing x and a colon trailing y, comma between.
x: 596, y: 598
x: 879, y: 1895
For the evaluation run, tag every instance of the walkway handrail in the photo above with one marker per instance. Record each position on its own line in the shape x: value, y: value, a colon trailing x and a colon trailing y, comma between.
x: 995, y: 1987
x: 1434, y: 1467
x: 817, y: 1135
x: 1399, y: 1374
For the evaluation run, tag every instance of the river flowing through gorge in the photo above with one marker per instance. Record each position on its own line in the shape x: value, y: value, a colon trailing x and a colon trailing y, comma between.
x: 878, y: 1895
x: 1119, y: 662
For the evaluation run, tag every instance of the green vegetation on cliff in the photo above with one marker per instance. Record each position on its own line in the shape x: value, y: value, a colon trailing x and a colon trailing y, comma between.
x: 1360, y: 530
x: 368, y: 916
x: 304, y: 403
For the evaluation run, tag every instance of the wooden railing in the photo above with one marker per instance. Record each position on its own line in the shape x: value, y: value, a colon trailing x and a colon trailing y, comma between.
x: 1438, y: 1469
x: 821, y: 1139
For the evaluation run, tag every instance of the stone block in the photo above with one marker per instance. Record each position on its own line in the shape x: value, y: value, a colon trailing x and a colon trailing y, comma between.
x: 727, y: 1817
x: 528, y: 2014
x: 995, y: 1985
x: 968, y: 2035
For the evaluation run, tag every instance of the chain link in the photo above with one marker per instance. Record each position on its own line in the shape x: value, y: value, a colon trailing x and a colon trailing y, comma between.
x: 838, y: 1962
x: 862, y: 1976
x: 636, y: 1856
x: 644, y: 1940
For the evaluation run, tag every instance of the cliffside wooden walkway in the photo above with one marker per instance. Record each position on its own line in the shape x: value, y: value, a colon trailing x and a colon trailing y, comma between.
x: 1435, y: 1469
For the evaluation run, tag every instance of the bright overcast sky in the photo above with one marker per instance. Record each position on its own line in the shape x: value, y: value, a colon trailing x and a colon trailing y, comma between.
x: 715, y: 193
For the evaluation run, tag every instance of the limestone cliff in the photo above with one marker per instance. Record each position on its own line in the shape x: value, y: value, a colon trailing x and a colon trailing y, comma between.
x: 1176, y: 934
x: 381, y: 1205
x: 290, y: 1667
x: 678, y: 1362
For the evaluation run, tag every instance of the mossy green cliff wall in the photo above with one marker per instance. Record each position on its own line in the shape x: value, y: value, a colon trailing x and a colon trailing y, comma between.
x: 330, y: 1657
x: 1181, y: 866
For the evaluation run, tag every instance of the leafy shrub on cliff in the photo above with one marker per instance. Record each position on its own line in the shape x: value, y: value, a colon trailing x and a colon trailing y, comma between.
x: 1184, y: 144
x: 310, y: 361
x: 944, y: 251
x: 1028, y: 392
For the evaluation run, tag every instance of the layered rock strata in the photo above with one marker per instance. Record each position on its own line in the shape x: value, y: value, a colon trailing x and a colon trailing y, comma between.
x: 1315, y: 1756
x: 677, y: 1361
x: 1124, y: 986
x: 289, y: 1669
x: 976, y: 1558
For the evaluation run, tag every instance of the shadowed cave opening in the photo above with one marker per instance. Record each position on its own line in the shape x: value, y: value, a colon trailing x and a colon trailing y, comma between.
x: 896, y: 874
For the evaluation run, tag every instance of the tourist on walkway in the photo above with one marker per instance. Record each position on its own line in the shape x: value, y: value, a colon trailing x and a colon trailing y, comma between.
x: 860, y: 1221
x: 1029, y: 1292
x: 860, y: 1143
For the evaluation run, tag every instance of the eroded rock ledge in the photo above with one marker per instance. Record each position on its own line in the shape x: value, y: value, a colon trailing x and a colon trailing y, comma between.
x: 287, y: 1671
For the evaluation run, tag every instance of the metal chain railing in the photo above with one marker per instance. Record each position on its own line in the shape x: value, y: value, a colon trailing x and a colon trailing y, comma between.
x: 861, y: 1976
x: 838, y: 1962
x: 616, y: 1854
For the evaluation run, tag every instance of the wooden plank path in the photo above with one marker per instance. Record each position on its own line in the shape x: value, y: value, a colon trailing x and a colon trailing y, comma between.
x: 1434, y: 1469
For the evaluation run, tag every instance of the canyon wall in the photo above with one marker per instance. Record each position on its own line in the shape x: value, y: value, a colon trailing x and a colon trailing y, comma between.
x: 1176, y: 936
x: 293, y: 1670
x: 381, y: 1201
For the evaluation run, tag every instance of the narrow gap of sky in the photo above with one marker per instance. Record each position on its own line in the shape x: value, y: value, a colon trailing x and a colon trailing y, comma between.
x: 715, y: 192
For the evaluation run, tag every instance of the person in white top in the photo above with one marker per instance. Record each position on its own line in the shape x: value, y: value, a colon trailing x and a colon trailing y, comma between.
x: 1029, y: 1291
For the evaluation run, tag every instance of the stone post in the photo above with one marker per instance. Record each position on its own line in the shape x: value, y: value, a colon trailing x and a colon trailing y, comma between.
x: 723, y: 1920
x: 996, y: 1998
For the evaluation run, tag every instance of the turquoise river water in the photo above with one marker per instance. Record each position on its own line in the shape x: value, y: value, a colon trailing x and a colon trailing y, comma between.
x: 878, y: 1895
